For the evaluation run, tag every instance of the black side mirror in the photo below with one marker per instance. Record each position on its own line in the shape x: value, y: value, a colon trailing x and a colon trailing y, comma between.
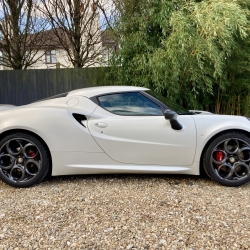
x: 172, y: 117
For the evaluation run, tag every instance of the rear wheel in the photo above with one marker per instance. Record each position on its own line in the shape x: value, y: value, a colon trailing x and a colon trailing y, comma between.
x: 24, y: 160
x: 227, y: 159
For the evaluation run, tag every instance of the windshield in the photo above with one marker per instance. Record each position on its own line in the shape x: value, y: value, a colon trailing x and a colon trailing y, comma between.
x: 173, y: 106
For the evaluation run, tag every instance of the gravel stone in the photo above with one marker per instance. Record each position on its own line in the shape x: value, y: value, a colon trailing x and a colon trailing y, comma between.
x: 163, y: 242
x: 125, y: 212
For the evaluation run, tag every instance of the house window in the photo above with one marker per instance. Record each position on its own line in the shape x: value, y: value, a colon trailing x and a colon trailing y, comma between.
x: 50, y: 56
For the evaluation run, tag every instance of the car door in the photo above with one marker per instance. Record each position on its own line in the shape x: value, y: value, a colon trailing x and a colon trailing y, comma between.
x: 131, y: 129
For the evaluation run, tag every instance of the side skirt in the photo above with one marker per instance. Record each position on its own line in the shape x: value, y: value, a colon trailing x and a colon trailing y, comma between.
x: 73, y: 163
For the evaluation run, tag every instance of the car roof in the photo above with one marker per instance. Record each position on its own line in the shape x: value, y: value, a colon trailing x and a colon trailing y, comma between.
x: 95, y: 91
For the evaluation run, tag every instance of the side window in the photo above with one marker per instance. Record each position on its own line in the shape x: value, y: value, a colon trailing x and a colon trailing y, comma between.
x: 130, y: 104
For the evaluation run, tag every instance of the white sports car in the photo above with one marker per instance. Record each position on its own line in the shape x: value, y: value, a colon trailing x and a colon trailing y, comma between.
x: 119, y: 129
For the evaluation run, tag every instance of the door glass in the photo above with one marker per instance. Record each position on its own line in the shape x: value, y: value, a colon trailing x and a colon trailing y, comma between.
x: 130, y: 104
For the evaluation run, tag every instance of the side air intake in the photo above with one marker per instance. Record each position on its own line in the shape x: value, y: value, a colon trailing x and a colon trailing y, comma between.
x: 80, y: 118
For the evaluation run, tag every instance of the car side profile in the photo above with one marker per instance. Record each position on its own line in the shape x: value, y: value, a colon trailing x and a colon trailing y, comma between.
x: 119, y: 129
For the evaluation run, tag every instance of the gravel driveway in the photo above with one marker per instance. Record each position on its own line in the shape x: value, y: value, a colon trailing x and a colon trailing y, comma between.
x: 125, y: 212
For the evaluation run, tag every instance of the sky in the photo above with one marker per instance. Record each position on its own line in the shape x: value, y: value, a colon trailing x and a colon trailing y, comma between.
x: 107, y: 5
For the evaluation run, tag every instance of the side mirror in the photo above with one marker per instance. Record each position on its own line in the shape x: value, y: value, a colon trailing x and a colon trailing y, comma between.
x: 172, y: 117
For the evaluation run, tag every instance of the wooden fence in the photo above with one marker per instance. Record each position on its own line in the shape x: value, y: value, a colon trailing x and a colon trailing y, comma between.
x: 19, y: 87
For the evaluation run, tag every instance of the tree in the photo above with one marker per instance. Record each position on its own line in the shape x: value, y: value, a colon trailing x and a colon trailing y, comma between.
x: 233, y: 96
x: 20, y: 38
x: 76, y: 24
x: 183, y: 49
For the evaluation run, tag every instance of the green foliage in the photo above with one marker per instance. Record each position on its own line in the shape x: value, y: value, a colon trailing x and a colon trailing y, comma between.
x: 194, y: 52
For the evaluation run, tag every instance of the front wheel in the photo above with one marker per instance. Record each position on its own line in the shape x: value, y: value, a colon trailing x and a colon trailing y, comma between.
x: 227, y: 158
x: 24, y: 160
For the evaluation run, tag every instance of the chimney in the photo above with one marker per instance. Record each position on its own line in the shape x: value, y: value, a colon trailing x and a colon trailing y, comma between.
x: 92, y: 7
x: 7, y: 17
x: 82, y: 7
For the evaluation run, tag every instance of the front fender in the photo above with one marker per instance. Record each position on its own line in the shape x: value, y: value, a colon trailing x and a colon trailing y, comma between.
x: 207, y: 126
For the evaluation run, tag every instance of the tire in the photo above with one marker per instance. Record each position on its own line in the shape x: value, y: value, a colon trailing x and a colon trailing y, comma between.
x: 226, y: 159
x: 24, y: 160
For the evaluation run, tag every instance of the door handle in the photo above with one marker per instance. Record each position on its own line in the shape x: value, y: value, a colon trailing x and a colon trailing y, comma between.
x: 101, y: 125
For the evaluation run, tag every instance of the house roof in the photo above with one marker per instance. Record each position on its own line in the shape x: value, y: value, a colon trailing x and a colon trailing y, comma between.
x: 48, y: 39
x: 41, y: 40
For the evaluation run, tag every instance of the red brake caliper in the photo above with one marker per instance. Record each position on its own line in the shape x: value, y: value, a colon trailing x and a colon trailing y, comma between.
x: 31, y: 153
x: 219, y: 157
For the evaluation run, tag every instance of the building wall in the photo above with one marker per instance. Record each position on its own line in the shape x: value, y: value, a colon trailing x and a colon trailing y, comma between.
x: 61, y: 60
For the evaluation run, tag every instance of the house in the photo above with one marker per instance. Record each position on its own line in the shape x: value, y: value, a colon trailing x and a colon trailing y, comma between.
x: 51, y: 47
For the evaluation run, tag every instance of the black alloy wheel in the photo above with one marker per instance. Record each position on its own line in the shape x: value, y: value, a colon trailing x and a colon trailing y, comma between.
x: 227, y: 159
x: 24, y: 160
